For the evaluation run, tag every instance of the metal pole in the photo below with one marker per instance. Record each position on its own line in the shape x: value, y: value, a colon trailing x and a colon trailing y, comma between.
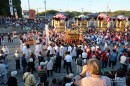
x: 28, y: 5
x: 82, y: 10
x: 45, y: 8
x: 37, y: 13
x: 107, y: 9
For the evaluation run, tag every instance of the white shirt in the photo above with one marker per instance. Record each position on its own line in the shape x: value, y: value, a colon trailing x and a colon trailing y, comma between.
x: 68, y: 58
x: 84, y: 55
x: 5, y: 50
x: 123, y: 59
x: 50, y: 65
x: 93, y: 48
x: 51, y: 49
x: 70, y: 49
x: 68, y: 84
x: 57, y: 49
x: 61, y: 52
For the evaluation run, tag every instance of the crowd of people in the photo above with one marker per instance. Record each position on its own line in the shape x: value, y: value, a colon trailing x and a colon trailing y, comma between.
x: 25, y: 24
x: 97, y: 52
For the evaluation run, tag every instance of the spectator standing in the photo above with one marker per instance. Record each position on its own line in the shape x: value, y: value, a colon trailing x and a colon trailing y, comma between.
x: 12, y: 80
x: 29, y: 79
x: 24, y: 63
x: 68, y: 59
x: 40, y: 58
x: 113, y: 58
x: 31, y: 64
x: 3, y: 72
x: 49, y: 67
x: 17, y: 60
x: 79, y: 64
x: 9, y: 38
x: 58, y: 62
x: 43, y: 73
x: 96, y: 79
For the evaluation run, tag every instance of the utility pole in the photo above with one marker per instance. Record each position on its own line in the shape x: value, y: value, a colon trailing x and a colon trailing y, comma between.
x: 28, y: 5
x: 37, y: 13
x: 82, y: 10
x: 107, y: 9
x: 45, y: 8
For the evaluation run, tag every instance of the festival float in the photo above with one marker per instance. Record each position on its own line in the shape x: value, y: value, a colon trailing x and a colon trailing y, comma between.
x: 120, y: 23
x: 102, y: 21
x: 59, y: 22
x: 81, y: 22
x: 73, y: 36
x: 30, y: 40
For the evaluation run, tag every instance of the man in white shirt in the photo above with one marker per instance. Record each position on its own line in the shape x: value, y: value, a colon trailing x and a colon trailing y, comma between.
x: 68, y: 59
x: 84, y: 55
x: 61, y: 51
x: 69, y: 48
x: 5, y: 50
x: 123, y: 59
x: 51, y: 50
x: 57, y: 49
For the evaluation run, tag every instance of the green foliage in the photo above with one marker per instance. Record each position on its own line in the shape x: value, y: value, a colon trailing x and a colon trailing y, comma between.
x: 17, y: 5
x: 48, y: 12
x: 5, y: 10
x: 120, y: 12
x: 71, y: 14
x: 4, y: 7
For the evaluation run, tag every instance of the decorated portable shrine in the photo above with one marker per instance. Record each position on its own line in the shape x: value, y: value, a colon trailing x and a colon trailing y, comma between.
x: 121, y: 23
x: 59, y: 22
x: 81, y: 21
x: 30, y: 40
x: 73, y: 36
x: 103, y: 21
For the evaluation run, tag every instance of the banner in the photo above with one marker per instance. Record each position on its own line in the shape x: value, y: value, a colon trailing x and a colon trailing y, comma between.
x: 11, y: 7
x: 47, y: 33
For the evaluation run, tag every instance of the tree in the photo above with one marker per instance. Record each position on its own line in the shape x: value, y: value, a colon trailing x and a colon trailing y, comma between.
x: 48, y: 12
x: 17, y: 5
x: 5, y: 9
x: 72, y: 14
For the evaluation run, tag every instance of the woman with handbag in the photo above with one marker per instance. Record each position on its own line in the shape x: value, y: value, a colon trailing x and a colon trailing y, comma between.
x: 29, y: 79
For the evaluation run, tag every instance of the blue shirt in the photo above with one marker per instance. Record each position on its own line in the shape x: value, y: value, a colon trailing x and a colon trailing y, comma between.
x: 113, y: 56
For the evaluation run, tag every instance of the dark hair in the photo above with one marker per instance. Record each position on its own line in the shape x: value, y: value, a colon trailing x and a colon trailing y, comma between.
x: 128, y: 74
x: 65, y: 79
x: 40, y: 52
x: 29, y: 69
x: 23, y: 54
x: 128, y: 81
x: 120, y: 73
x: 59, y: 82
x: 54, y: 81
x: 69, y: 80
x: 114, y: 50
x: 68, y: 52
x: 107, y: 74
